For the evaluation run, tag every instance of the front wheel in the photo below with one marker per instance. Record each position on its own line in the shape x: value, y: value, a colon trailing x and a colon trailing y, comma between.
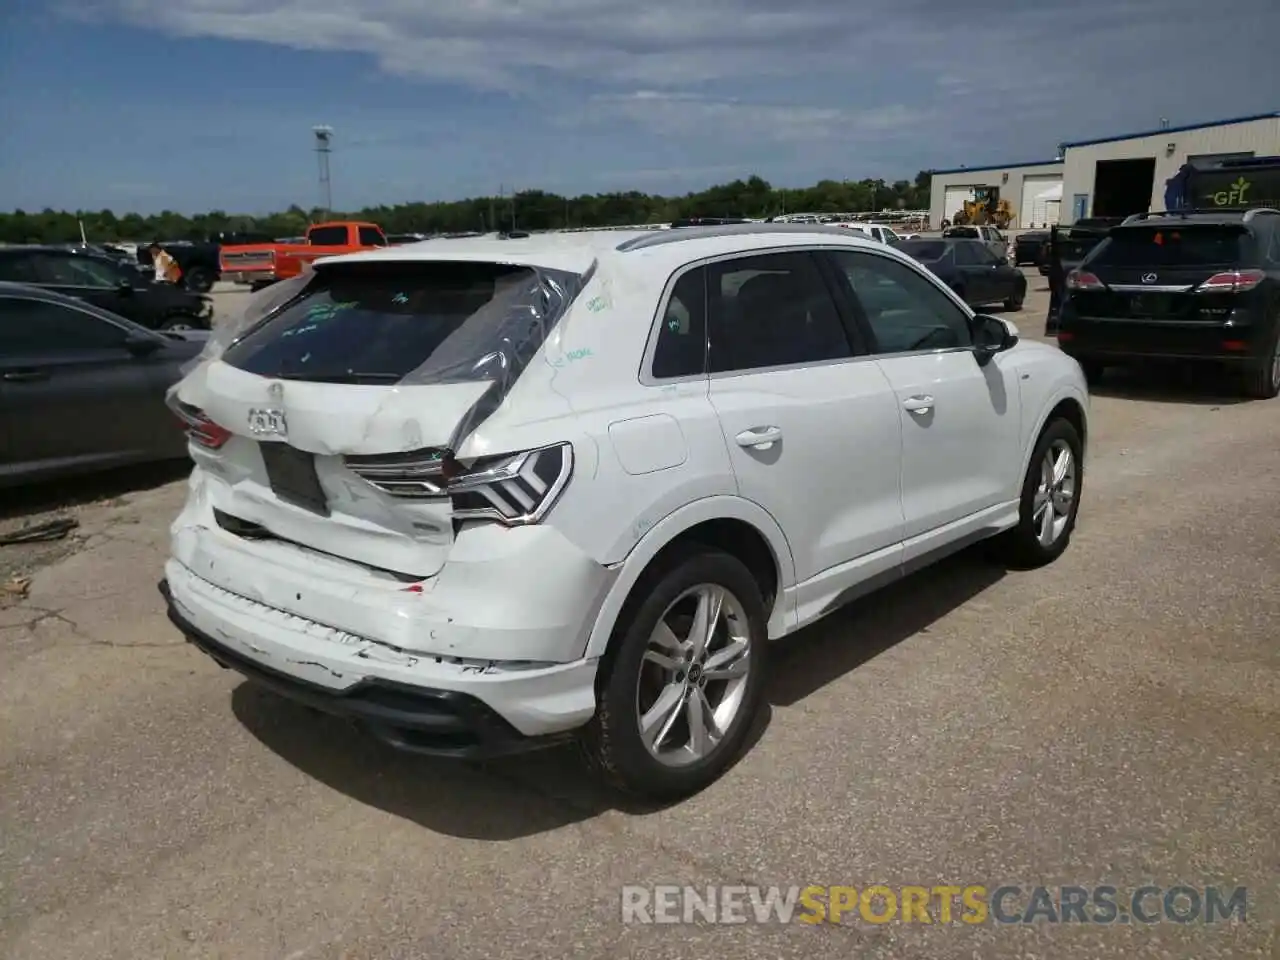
x: 685, y: 680
x: 1016, y: 300
x: 1050, y: 499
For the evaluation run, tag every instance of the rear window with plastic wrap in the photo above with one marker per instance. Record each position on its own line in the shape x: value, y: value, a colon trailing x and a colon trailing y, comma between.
x: 408, y: 323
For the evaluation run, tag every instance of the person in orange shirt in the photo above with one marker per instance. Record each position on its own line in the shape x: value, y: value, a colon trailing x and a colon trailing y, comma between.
x: 167, y: 269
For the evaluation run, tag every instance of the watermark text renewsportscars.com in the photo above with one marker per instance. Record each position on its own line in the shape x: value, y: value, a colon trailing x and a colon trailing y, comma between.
x: 934, y: 904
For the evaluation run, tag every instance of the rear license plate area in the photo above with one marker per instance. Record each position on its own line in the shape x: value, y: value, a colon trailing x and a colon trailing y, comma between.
x: 293, y: 478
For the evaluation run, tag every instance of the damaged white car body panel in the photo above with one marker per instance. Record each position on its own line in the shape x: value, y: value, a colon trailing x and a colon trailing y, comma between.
x: 437, y: 472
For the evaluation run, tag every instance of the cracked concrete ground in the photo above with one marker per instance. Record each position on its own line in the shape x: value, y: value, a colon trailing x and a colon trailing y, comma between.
x: 1114, y: 718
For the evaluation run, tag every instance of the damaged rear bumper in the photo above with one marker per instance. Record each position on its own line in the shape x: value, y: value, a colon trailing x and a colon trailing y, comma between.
x: 413, y: 702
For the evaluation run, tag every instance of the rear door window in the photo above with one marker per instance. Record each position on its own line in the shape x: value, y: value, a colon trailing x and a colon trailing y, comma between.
x: 772, y: 310
x: 681, y: 347
x: 380, y: 322
x: 1191, y: 246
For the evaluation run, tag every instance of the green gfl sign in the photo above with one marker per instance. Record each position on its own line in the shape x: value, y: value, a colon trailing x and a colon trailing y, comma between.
x: 1233, y: 196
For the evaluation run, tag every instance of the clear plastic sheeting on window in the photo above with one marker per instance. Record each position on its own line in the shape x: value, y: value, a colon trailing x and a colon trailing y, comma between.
x: 403, y: 324
x: 261, y: 305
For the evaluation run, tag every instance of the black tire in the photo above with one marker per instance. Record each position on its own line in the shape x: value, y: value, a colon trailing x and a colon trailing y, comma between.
x: 1093, y: 371
x: 1262, y: 380
x: 198, y: 280
x: 1021, y: 546
x: 612, y: 739
x: 1015, y: 302
x: 182, y: 322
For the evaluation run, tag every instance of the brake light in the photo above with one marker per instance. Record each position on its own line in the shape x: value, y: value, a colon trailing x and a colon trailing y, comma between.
x: 514, y: 489
x: 1235, y: 346
x: 1233, y: 281
x: 1063, y: 337
x: 200, y: 429
x: 1083, y: 280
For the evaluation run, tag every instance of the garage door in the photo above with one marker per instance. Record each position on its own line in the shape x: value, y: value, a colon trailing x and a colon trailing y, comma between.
x: 954, y: 200
x: 1038, y: 194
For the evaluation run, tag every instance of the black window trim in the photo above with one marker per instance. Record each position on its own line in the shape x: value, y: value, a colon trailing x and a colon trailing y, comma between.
x: 865, y: 324
x: 858, y: 344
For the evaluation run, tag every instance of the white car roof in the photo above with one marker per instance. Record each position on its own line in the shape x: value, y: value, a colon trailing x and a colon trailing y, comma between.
x: 578, y: 252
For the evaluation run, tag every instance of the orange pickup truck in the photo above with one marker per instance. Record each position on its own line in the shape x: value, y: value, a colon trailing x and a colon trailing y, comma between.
x: 260, y: 264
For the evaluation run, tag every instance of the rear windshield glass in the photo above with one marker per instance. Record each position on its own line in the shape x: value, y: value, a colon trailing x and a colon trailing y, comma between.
x: 924, y: 251
x: 413, y: 322
x: 966, y: 233
x: 1158, y: 246
x: 328, y: 236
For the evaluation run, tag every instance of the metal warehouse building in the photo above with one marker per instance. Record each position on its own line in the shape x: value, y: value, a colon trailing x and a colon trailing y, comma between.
x: 1034, y: 190
x: 1119, y: 176
x: 1108, y: 177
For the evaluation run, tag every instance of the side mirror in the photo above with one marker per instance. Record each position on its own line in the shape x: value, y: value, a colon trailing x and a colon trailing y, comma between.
x: 141, y: 346
x: 991, y: 335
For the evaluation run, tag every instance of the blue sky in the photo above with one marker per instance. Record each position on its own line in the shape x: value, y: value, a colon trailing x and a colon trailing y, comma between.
x: 208, y: 104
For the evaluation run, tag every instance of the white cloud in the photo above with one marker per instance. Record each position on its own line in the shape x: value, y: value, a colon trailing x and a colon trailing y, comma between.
x: 961, y: 79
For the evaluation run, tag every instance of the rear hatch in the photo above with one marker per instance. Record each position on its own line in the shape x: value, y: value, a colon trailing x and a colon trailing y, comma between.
x: 1163, y: 273
x: 332, y: 423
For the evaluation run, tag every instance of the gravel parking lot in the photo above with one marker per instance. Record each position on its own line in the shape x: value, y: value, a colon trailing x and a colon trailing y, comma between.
x: 1112, y: 719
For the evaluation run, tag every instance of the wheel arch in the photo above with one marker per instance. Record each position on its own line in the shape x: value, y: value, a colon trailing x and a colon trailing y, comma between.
x: 738, y: 526
x: 1066, y: 405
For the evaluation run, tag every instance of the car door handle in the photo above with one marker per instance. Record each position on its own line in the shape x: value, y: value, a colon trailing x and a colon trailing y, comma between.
x: 26, y: 376
x: 920, y: 403
x: 759, y: 437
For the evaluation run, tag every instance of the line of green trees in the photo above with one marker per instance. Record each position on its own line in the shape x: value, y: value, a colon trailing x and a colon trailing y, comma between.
x: 529, y: 210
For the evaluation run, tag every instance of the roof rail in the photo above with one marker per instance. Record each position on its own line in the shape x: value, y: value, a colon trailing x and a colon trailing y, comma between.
x: 677, y: 235
x: 1248, y: 212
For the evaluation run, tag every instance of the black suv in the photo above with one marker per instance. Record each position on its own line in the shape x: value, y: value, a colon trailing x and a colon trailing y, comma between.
x: 1180, y: 285
x: 107, y: 283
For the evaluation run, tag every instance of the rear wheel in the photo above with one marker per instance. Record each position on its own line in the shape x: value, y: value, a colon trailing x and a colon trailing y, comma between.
x: 183, y: 323
x: 1093, y: 371
x: 198, y: 280
x: 685, y: 680
x: 1050, y: 499
x: 1262, y: 381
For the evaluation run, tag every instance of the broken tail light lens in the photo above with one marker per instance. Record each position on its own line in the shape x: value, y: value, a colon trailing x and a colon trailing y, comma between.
x: 1232, y: 281
x: 200, y: 429
x: 1083, y: 280
x: 515, y: 488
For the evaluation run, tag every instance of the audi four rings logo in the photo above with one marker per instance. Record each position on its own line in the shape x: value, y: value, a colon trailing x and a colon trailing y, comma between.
x: 1149, y: 278
x: 267, y: 423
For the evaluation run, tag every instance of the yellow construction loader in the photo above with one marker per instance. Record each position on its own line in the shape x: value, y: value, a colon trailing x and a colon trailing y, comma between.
x: 976, y: 213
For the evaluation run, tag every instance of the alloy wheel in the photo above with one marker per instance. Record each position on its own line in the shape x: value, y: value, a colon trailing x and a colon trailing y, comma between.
x: 1056, y: 493
x: 693, y: 676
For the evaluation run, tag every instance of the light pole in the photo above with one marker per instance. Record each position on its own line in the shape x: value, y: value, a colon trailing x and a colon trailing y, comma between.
x: 324, y: 145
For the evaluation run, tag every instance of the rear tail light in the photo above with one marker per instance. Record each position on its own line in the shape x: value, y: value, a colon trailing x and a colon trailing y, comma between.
x: 1063, y: 337
x: 1235, y: 346
x: 1233, y: 281
x: 516, y: 488
x: 1083, y: 280
x: 200, y: 429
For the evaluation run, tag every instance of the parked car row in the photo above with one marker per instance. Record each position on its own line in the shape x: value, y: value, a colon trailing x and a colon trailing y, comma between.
x: 111, y: 283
